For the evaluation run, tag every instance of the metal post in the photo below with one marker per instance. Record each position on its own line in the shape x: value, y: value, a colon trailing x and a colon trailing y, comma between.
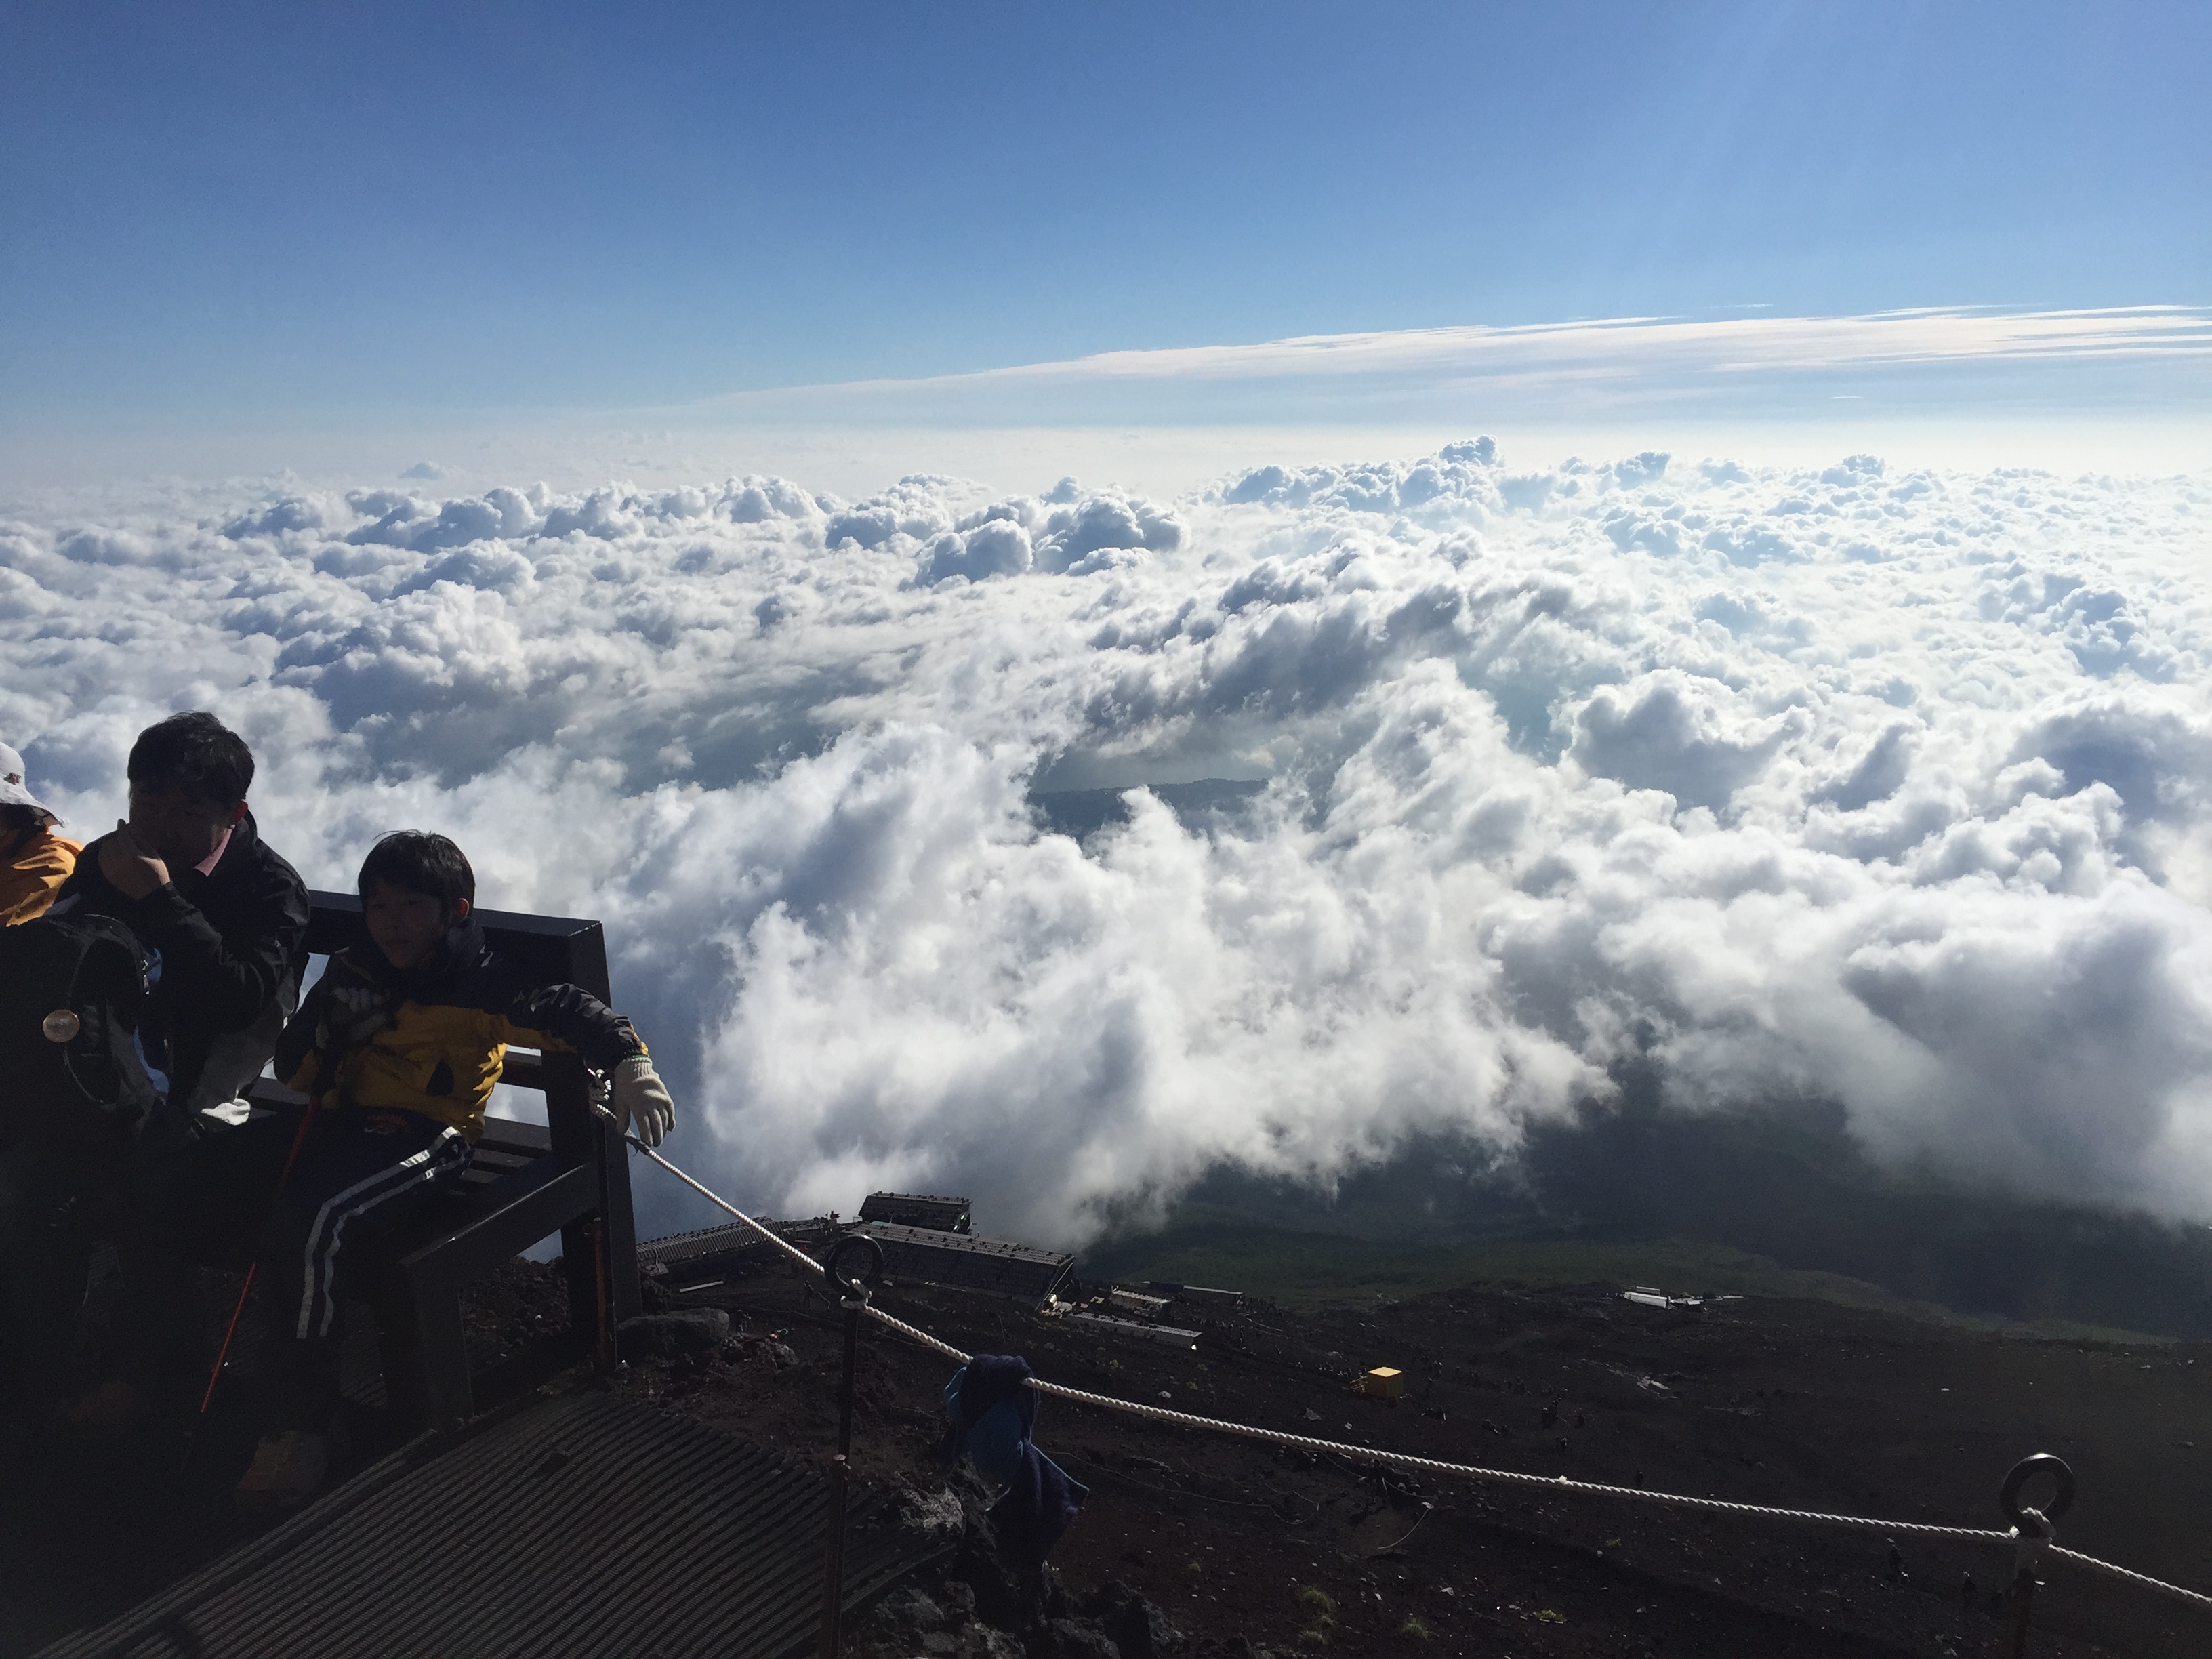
x: 2023, y: 1592
x: 854, y: 1302
x: 2034, y: 1531
x: 603, y: 1348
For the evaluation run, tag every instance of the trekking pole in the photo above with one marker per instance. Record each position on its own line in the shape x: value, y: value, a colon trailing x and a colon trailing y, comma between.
x: 299, y: 1140
x: 2034, y: 1529
x: 854, y: 1302
x: 230, y: 1331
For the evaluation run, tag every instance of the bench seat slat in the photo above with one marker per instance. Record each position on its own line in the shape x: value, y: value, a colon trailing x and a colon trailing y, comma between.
x: 496, y: 1222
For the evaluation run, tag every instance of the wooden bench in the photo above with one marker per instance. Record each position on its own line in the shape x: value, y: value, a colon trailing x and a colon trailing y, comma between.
x: 570, y: 1175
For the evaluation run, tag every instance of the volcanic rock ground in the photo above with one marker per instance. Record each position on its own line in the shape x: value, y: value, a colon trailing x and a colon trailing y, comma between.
x: 1244, y: 1548
x: 1795, y: 1404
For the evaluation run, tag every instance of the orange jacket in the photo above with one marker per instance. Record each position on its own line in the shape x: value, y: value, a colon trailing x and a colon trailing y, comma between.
x: 33, y: 867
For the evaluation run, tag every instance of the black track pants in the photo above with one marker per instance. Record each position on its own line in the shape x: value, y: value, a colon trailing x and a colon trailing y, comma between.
x: 361, y: 1176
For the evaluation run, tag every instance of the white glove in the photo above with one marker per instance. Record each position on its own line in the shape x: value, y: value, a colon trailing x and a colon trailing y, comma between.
x: 642, y: 1098
x: 353, y: 1015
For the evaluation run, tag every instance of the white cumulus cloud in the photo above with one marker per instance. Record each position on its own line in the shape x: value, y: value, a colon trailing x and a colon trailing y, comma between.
x: 1865, y: 780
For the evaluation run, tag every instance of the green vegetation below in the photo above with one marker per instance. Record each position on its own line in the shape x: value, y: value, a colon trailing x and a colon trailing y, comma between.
x: 1202, y: 1245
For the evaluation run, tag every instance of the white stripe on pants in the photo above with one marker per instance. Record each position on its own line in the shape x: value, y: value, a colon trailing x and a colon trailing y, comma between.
x: 448, y: 1152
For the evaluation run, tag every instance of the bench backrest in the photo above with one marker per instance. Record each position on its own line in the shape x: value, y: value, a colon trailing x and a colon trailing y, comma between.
x: 554, y: 950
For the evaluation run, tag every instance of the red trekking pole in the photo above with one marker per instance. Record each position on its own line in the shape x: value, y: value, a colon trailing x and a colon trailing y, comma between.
x: 300, y: 1139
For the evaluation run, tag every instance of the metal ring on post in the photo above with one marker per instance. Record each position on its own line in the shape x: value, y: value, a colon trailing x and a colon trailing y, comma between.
x: 2025, y: 1470
x: 856, y: 1286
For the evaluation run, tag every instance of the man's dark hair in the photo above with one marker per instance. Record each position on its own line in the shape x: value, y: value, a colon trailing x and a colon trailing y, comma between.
x: 197, y: 752
x: 416, y: 861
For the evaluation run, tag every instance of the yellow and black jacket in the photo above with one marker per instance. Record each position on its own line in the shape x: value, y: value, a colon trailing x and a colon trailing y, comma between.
x: 451, y: 1021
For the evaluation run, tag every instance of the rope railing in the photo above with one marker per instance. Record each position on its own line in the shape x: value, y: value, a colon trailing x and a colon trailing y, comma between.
x: 1438, y: 1468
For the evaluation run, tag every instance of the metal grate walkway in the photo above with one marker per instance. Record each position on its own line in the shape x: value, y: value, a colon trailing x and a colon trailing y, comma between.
x: 585, y: 1526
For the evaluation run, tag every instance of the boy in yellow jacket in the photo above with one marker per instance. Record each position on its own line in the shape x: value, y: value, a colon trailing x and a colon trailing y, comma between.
x: 398, y: 1045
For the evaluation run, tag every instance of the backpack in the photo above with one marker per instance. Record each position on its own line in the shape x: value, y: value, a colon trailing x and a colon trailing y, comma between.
x: 72, y: 990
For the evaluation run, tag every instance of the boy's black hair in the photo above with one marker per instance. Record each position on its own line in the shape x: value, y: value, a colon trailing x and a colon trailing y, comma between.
x: 197, y: 752
x: 416, y: 861
x: 15, y: 818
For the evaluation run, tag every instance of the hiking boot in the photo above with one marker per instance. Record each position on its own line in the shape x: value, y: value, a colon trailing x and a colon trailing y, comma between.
x: 108, y: 1413
x: 289, y: 1468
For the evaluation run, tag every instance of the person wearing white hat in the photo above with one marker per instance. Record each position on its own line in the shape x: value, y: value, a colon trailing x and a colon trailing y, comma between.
x: 40, y: 1285
x: 34, y: 862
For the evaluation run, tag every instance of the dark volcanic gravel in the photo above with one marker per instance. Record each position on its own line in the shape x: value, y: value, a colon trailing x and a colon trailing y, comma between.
x: 1794, y: 1403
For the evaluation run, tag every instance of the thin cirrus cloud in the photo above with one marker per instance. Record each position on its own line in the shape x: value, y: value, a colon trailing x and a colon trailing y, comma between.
x: 2126, y: 387
x: 1865, y: 780
x: 2144, y: 354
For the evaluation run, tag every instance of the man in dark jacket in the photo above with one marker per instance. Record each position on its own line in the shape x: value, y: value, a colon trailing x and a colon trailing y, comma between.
x: 224, y: 920
x: 189, y: 873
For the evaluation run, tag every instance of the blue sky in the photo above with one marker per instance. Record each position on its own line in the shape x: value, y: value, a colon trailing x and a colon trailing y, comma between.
x: 223, y: 213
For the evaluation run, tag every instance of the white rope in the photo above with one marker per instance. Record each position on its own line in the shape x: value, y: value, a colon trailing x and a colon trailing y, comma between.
x: 1406, y: 1460
x: 1510, y: 1477
x: 787, y: 1246
x: 2128, y: 1575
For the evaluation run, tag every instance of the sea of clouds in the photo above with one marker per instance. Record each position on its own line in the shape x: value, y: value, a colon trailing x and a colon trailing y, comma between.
x: 1885, y: 785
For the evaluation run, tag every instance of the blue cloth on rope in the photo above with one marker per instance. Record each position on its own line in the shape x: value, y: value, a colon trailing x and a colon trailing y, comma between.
x: 992, y: 1414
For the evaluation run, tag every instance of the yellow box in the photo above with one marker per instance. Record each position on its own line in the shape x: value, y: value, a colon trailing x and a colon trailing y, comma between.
x: 1383, y: 1383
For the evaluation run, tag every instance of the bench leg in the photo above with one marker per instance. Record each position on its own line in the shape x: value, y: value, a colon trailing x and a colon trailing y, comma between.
x: 601, y: 1271
x: 426, y: 1364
